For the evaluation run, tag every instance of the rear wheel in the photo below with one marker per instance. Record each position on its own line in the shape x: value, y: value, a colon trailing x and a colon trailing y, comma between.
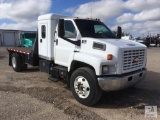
x: 16, y: 62
x: 84, y: 86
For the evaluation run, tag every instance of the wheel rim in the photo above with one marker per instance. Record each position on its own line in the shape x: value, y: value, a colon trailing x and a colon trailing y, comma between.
x: 82, y: 87
x: 14, y: 62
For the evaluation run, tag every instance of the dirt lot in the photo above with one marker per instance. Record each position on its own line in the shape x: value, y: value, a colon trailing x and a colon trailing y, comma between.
x: 30, y: 95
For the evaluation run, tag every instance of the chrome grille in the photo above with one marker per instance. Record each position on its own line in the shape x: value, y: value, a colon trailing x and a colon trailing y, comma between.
x: 133, y: 59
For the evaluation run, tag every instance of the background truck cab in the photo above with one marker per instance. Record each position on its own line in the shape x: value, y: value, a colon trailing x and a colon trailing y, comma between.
x: 27, y: 38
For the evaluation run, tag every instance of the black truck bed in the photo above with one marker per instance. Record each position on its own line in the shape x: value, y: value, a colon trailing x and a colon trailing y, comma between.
x: 27, y: 54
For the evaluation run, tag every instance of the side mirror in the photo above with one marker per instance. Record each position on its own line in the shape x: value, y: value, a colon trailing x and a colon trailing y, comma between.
x: 119, y: 32
x: 78, y: 43
x: 61, y: 31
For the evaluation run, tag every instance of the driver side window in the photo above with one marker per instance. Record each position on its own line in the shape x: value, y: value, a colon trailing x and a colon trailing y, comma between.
x: 70, y: 31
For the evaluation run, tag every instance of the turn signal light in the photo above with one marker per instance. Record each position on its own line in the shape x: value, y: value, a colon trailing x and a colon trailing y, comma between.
x: 109, y: 57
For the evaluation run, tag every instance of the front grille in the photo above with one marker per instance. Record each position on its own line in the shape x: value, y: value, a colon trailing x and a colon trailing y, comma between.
x: 133, y: 59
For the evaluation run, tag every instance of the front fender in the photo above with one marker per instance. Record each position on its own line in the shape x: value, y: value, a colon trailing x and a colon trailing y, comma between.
x: 92, y: 60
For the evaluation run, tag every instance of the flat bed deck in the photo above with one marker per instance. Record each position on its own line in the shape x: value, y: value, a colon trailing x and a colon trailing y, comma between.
x: 23, y: 50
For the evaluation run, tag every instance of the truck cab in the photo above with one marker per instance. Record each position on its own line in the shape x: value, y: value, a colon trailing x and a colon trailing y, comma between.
x: 27, y: 38
x: 87, y: 55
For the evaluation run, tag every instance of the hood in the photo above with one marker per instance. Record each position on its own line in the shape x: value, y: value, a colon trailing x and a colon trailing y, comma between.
x: 121, y: 43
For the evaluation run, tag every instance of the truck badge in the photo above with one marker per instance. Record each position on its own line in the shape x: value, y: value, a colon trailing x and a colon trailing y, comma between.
x: 136, y: 59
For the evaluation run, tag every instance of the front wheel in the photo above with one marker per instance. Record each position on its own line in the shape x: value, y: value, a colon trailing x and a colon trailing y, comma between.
x: 84, y: 86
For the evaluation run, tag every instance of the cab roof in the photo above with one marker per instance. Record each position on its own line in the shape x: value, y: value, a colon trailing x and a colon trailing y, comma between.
x: 50, y: 16
x: 53, y: 16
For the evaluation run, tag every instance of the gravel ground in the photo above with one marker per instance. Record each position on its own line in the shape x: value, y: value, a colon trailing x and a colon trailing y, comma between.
x: 29, y: 95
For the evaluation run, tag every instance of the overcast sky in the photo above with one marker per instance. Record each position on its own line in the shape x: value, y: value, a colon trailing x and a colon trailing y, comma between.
x: 138, y: 17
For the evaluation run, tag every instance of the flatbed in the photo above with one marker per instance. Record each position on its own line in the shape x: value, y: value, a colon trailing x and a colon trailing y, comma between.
x: 23, y: 50
x: 29, y: 55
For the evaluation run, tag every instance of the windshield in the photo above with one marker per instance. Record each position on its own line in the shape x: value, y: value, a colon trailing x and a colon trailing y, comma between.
x: 94, y: 29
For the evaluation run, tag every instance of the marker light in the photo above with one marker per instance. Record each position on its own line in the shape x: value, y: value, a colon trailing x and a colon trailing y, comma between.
x: 109, y: 57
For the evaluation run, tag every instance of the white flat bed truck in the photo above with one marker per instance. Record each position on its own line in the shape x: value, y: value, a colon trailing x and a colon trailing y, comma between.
x: 85, y: 54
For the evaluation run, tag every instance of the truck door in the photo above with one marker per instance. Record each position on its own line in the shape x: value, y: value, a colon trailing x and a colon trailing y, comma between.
x: 43, y: 40
x: 64, y: 50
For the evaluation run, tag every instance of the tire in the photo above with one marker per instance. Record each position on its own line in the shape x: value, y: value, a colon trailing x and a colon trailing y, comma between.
x: 16, y: 62
x: 84, y: 86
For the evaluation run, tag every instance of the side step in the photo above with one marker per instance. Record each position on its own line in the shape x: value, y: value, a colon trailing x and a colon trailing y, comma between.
x: 53, y: 79
x: 57, y: 72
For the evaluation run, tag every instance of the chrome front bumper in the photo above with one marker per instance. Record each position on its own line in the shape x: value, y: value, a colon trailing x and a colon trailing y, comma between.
x: 108, y: 83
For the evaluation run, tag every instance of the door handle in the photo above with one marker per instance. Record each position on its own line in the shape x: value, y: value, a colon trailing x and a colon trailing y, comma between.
x: 56, y: 41
x: 40, y: 40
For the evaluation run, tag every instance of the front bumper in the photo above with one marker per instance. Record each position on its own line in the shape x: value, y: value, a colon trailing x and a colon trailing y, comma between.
x: 108, y: 83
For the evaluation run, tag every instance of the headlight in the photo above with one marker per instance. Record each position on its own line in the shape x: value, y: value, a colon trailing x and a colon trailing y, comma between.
x: 104, y: 69
x: 108, y: 69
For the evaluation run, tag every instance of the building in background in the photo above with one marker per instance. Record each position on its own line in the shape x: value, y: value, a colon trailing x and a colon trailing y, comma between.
x: 10, y: 37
